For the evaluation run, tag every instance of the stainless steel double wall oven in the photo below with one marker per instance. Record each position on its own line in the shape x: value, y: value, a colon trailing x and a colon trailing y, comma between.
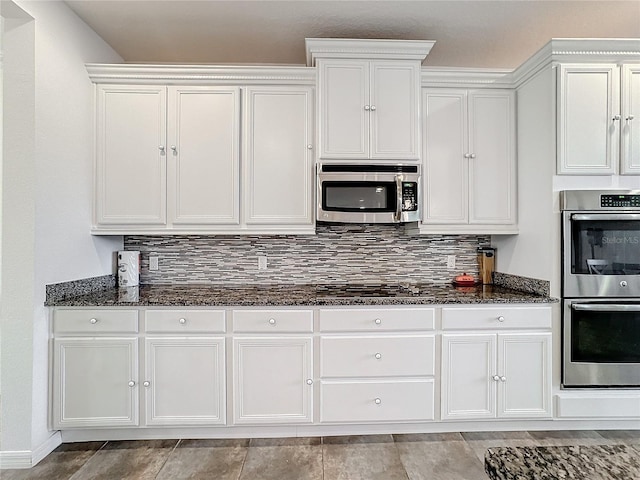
x: 601, y: 288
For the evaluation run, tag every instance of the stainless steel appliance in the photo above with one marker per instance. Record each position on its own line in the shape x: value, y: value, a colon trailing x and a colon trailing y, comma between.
x: 368, y: 193
x: 601, y: 288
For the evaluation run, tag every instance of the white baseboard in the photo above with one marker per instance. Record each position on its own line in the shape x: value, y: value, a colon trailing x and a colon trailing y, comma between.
x: 29, y: 458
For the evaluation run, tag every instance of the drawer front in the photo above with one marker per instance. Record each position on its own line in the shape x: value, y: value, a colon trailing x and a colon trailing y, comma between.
x: 495, y: 318
x: 184, y: 321
x: 379, y: 356
x: 95, y: 321
x: 272, y: 321
x: 376, y: 320
x: 393, y: 401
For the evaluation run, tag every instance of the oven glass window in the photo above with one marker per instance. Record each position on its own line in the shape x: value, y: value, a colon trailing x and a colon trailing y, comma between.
x: 605, y: 336
x: 605, y: 247
x: 359, y: 196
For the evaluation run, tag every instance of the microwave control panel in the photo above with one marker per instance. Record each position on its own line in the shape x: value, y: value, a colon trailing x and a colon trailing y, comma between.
x: 409, y: 197
x: 620, y: 201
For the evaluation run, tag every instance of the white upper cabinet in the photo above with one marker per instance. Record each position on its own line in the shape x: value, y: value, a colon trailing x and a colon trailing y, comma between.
x: 598, y: 112
x: 630, y: 119
x: 469, y: 161
x: 278, y: 157
x: 130, y: 173
x: 203, y: 155
x: 369, y: 109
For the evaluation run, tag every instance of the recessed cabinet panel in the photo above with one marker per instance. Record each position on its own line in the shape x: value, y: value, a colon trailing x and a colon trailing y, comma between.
x: 278, y: 149
x: 630, y: 120
x: 344, y: 121
x: 588, y: 133
x: 95, y: 382
x: 130, y: 167
x: 271, y: 380
x: 184, y: 382
x: 492, y: 166
x: 446, y: 168
x: 203, y: 155
x: 394, y: 122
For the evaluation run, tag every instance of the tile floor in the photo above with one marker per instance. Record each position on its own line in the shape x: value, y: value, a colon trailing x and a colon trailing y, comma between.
x: 435, y: 456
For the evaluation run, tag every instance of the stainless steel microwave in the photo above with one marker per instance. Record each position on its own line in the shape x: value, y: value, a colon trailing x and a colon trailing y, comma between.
x: 368, y: 193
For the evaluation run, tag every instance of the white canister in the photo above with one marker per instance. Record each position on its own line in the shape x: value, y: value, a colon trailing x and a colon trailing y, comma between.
x: 128, y: 268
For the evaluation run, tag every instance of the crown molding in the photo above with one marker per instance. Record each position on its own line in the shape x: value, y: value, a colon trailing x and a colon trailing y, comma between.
x: 365, y: 48
x: 200, y: 74
x: 466, y: 77
x: 578, y: 50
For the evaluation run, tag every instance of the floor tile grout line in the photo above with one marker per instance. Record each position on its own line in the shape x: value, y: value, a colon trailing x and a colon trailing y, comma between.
x: 167, y: 459
x: 104, y: 444
x: 404, y: 469
x: 244, y: 460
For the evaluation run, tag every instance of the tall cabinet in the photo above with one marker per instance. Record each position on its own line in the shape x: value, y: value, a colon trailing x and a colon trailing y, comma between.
x: 169, y: 157
x: 368, y: 97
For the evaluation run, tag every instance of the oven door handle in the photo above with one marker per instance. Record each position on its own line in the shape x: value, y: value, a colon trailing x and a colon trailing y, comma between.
x: 605, y: 216
x: 398, y: 214
x: 605, y: 307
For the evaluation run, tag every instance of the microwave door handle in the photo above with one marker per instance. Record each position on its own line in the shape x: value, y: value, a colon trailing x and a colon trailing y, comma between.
x: 600, y: 307
x: 398, y: 214
x: 605, y: 216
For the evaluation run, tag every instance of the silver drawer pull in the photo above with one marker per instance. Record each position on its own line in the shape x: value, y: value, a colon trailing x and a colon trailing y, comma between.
x: 377, y: 321
x: 501, y: 318
x: 182, y: 321
x: 132, y: 383
x: 377, y: 401
x: 309, y: 381
x: 93, y: 321
x: 147, y: 383
x: 378, y: 356
x: 496, y: 378
x: 503, y: 379
x: 272, y: 321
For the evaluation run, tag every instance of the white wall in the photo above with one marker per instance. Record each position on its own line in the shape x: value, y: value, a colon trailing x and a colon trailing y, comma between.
x: 47, y: 198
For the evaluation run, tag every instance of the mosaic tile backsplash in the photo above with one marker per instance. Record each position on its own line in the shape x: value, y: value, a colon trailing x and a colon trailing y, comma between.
x: 369, y: 254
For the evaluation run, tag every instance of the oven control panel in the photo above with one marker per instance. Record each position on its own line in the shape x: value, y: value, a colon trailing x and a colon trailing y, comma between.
x: 620, y: 201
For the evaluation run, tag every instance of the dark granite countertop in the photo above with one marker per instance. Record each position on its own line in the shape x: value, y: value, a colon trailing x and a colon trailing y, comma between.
x: 292, y: 295
x: 593, y: 462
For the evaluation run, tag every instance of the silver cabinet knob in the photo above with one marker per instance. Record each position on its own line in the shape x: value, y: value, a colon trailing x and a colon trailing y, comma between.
x: 377, y: 321
x: 173, y: 147
x: 377, y: 401
x: 147, y: 383
x: 467, y: 155
x: 378, y: 356
x: 623, y: 283
x: 496, y: 378
x: 629, y: 118
x: 93, y: 321
x: 367, y: 108
x: 309, y: 381
x: 501, y: 318
x: 161, y: 148
x: 503, y: 379
x: 616, y: 117
x: 373, y: 107
x: 132, y: 383
x: 309, y: 147
x: 473, y: 155
x: 272, y: 321
x: 182, y: 321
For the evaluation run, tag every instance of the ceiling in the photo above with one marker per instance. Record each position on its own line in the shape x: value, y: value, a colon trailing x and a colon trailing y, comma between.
x: 468, y: 33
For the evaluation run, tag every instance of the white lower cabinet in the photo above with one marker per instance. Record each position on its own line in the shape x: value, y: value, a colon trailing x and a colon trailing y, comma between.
x: 272, y: 366
x: 184, y: 381
x: 377, y: 365
x: 494, y: 374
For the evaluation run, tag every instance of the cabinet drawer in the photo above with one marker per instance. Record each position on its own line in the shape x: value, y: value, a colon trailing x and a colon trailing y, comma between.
x: 379, y: 356
x: 392, y: 401
x: 376, y: 320
x: 273, y: 321
x: 95, y: 321
x: 184, y: 321
x: 495, y: 318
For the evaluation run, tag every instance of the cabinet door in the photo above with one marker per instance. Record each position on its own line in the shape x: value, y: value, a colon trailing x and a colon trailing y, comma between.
x: 468, y: 367
x: 277, y: 156
x: 492, y: 179
x: 130, y: 155
x: 272, y: 380
x: 203, y: 155
x: 395, y: 103
x: 95, y: 382
x: 343, y: 97
x: 630, y: 120
x: 588, y: 101
x: 184, y: 381
x: 524, y: 368
x: 445, y: 174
